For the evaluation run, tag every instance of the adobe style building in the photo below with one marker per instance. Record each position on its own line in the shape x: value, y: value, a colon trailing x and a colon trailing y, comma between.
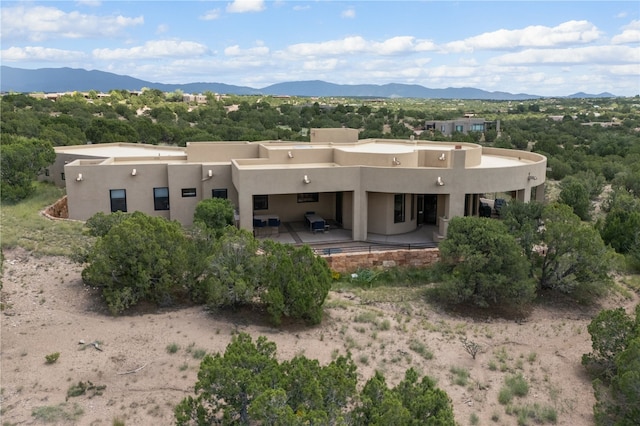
x: 462, y: 125
x: 377, y: 186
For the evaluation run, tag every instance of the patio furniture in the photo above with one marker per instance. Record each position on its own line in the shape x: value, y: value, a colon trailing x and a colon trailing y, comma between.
x: 499, y: 204
x: 266, y: 222
x: 274, y: 225
x: 484, y: 210
x: 315, y: 222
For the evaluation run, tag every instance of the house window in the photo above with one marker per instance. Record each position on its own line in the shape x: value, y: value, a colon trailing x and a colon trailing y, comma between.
x: 308, y: 197
x: 46, y: 172
x: 118, y: 200
x: 219, y: 193
x: 398, y: 208
x: 261, y: 202
x: 477, y: 127
x: 161, y: 198
x: 459, y: 128
x: 188, y: 192
x: 62, y: 175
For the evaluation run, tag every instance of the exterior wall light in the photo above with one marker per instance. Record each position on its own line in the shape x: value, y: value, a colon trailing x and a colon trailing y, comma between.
x: 305, y: 179
x: 532, y: 177
x: 134, y: 172
x: 439, y: 181
x: 208, y: 176
x: 442, y: 157
x: 290, y: 154
x: 396, y: 162
x: 79, y: 178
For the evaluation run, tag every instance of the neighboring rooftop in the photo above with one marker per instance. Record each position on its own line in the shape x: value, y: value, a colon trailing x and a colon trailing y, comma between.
x: 109, y: 150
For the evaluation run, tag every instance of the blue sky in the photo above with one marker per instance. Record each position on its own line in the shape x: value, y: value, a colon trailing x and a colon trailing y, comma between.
x: 545, y: 48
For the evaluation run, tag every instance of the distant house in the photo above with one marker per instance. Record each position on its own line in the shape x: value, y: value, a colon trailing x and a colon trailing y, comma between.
x: 462, y: 125
x: 190, y: 98
x: 382, y: 186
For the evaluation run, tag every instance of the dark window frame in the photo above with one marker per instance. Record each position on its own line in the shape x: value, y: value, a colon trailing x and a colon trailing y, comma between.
x: 260, y: 202
x: 399, y: 208
x: 220, y: 193
x: 189, y: 192
x: 308, y: 197
x: 118, y: 203
x: 161, y: 202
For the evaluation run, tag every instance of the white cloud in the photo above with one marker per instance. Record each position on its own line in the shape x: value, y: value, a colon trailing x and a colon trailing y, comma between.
x: 37, y: 53
x: 451, y: 71
x: 321, y: 65
x: 630, y: 33
x: 348, y: 13
x: 153, y: 50
x: 532, y: 36
x: 632, y: 70
x: 90, y: 3
x: 253, y: 51
x: 622, y: 15
x: 395, y: 45
x: 43, y: 22
x: 577, y: 55
x: 162, y: 28
x: 357, y: 44
x: 298, y: 7
x: 243, y: 6
x: 210, y: 15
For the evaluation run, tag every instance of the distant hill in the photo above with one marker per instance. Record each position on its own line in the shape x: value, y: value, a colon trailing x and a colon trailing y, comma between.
x: 52, y: 80
x: 582, y: 95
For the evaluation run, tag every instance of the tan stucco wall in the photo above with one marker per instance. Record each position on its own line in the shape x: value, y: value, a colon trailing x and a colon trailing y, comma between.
x: 334, y: 135
x: 381, y: 215
x: 207, y: 152
x: 91, y: 194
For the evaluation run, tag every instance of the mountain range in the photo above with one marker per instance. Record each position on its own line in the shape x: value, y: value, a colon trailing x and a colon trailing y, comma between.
x: 55, y: 80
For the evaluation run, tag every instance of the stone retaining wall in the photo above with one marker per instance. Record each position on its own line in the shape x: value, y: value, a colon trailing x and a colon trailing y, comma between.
x: 351, y: 262
x: 58, y: 210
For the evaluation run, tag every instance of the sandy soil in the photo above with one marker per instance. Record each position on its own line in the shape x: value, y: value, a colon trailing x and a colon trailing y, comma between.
x: 47, y: 309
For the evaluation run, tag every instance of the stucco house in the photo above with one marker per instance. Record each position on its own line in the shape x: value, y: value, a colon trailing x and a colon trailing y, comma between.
x: 378, y: 186
x: 462, y: 125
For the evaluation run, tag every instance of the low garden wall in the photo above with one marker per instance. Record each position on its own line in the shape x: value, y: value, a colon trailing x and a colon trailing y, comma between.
x: 58, y: 210
x: 351, y: 262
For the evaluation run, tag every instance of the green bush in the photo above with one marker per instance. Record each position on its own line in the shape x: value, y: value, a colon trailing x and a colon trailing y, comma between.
x: 518, y: 384
x: 505, y: 395
x: 142, y: 258
x: 52, y: 358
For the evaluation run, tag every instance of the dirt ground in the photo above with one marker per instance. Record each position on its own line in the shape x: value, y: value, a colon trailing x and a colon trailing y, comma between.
x: 47, y: 309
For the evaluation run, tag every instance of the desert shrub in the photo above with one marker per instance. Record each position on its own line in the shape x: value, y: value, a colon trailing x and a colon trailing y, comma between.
x: 142, y: 258
x: 421, y: 349
x: 214, y: 213
x: 58, y: 413
x: 297, y: 282
x: 460, y: 375
x: 52, y: 358
x: 484, y: 263
x: 101, y: 223
x: 518, y: 385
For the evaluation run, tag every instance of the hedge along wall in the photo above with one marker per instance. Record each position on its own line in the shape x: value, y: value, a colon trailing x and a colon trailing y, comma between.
x: 351, y: 262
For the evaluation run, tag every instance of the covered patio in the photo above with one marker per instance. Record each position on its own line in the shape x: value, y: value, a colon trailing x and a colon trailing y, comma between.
x: 336, y: 240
